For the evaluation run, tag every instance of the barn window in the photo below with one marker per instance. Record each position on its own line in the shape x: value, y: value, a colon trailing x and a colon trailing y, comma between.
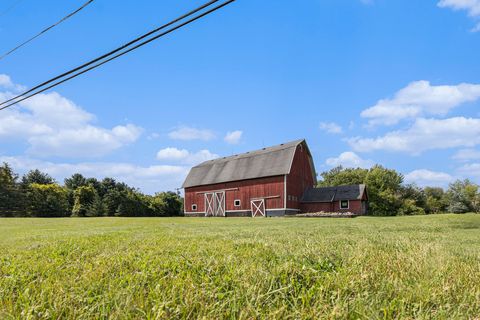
x: 344, y: 204
x: 237, y: 203
x: 194, y: 207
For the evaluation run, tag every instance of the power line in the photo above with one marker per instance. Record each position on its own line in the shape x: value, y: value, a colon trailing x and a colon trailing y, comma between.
x: 124, y: 46
x: 93, y: 63
x: 46, y: 29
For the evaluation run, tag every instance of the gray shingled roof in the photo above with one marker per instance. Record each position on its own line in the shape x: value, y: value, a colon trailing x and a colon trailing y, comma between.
x: 267, y: 162
x: 329, y: 194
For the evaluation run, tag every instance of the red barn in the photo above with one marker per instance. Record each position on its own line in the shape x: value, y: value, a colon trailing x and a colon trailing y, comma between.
x: 267, y: 182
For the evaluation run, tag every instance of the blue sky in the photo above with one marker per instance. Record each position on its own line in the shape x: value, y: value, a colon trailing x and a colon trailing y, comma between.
x: 391, y: 82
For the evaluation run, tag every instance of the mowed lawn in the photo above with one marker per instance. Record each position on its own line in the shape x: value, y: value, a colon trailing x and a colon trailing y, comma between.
x: 424, y: 267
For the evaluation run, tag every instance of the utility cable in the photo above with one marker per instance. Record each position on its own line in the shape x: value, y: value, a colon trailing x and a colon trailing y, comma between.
x: 46, y: 29
x: 78, y: 70
x: 120, y: 54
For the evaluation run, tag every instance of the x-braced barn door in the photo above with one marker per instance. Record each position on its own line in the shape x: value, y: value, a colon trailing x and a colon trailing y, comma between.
x: 220, y: 204
x: 215, y: 204
x: 258, y: 208
x: 209, y: 204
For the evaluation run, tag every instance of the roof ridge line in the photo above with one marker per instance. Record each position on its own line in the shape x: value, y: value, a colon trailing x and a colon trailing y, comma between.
x: 294, y: 144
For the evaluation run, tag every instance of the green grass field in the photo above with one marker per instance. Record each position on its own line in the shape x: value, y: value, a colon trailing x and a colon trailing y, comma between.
x: 162, y: 268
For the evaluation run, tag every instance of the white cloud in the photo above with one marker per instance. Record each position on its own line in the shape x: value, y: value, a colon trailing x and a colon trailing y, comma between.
x: 349, y: 160
x: 331, y: 127
x: 425, y: 134
x: 153, y: 136
x: 467, y: 155
x: 184, y: 156
x: 470, y: 170
x: 54, y: 126
x: 424, y: 177
x: 420, y: 98
x: 6, y: 82
x: 87, y: 141
x: 172, y: 154
x: 233, y: 137
x: 471, y: 6
x: 149, y: 179
x: 201, y: 156
x: 189, y: 133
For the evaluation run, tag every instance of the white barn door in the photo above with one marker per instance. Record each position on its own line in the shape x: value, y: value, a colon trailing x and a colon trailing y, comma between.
x: 220, y: 204
x: 215, y: 204
x: 209, y: 204
x: 258, y: 208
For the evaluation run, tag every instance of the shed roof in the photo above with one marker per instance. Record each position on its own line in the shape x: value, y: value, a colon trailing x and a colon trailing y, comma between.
x: 329, y: 194
x: 267, y: 162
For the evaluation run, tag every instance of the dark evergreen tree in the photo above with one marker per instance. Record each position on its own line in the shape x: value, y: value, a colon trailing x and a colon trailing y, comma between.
x: 38, y: 177
x: 75, y: 181
x: 11, y: 198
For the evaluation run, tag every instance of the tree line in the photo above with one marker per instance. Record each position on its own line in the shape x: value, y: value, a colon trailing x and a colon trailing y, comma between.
x: 388, y: 194
x: 37, y: 194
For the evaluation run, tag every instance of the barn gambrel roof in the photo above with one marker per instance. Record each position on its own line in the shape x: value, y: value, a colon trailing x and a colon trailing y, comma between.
x: 267, y: 162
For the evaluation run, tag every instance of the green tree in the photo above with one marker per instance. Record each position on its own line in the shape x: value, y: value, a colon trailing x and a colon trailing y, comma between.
x: 340, y: 176
x: 166, y: 204
x: 84, y: 198
x: 462, y: 196
x: 414, y: 200
x: 97, y: 185
x: 75, y: 181
x: 11, y: 197
x: 112, y: 199
x: 132, y: 205
x: 173, y: 203
x: 409, y: 208
x: 97, y: 209
x: 36, y: 176
x: 435, y: 200
x: 108, y: 185
x: 384, y: 186
x: 47, y: 200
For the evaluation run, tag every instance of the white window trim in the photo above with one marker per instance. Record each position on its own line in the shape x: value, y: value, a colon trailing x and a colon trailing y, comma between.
x: 235, y: 203
x: 194, y: 207
x: 348, y: 204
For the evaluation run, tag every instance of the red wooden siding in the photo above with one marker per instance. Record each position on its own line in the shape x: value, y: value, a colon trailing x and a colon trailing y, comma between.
x: 300, y: 177
x: 355, y: 206
x: 311, y: 207
x: 247, y: 190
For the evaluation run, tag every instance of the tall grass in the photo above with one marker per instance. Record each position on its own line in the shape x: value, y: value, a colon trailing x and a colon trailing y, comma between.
x: 119, y: 268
